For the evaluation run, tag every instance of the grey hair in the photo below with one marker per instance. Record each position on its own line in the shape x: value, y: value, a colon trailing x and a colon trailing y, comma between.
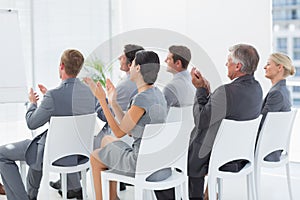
x: 246, y: 55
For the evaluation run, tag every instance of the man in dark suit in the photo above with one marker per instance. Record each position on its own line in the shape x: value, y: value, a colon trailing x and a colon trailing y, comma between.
x: 71, y: 97
x: 239, y: 100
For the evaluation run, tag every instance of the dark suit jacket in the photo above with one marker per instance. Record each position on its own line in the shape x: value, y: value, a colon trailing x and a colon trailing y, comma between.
x: 72, y: 97
x: 238, y: 100
x: 278, y: 99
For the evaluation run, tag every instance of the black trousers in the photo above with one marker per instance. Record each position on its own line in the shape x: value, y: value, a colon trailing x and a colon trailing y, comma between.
x: 196, y: 188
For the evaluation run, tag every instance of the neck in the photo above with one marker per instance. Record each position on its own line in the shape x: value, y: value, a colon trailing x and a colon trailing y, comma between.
x: 276, y: 80
x: 181, y: 69
x: 178, y: 70
x: 143, y: 87
x: 238, y: 75
x: 65, y: 77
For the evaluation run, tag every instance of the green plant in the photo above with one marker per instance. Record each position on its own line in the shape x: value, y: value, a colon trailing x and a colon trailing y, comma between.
x: 98, y: 70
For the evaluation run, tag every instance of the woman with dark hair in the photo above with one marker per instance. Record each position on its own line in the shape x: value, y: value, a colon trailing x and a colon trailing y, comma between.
x: 147, y: 107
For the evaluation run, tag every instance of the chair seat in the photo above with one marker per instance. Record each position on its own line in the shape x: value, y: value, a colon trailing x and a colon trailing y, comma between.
x: 248, y: 168
x: 175, y: 179
x: 69, y: 169
x: 284, y: 159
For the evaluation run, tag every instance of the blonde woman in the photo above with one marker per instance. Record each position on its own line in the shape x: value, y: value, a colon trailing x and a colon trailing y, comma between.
x: 277, y: 69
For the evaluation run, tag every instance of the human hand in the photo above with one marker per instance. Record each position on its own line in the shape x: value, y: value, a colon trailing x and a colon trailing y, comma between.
x: 33, y: 96
x: 95, y: 88
x: 207, y: 84
x: 111, y: 92
x: 43, y: 89
x: 198, y: 80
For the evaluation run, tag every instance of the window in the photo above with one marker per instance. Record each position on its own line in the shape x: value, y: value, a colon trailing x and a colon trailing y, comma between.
x: 281, y: 45
x: 279, y: 15
x: 296, y: 88
x: 297, y: 74
x: 296, y: 42
x: 294, y: 14
x: 296, y: 54
x: 278, y: 2
x: 281, y: 42
x: 291, y: 2
x: 296, y: 102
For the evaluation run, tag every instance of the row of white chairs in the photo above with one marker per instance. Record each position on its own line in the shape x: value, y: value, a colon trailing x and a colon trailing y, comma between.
x: 236, y: 140
x: 166, y: 145
x: 69, y: 135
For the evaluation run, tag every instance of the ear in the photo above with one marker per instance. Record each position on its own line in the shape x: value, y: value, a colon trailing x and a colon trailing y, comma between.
x: 238, y: 67
x: 138, y: 68
x: 178, y: 64
x: 280, y: 67
x: 62, y: 66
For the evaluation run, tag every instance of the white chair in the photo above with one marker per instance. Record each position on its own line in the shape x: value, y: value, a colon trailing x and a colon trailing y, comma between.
x: 177, y: 114
x: 235, y: 140
x: 69, y: 135
x: 274, y: 135
x: 162, y: 146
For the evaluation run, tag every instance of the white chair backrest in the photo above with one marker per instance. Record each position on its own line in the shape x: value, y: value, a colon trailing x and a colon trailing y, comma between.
x: 275, y: 133
x: 69, y: 135
x: 235, y: 140
x: 177, y: 114
x: 163, y: 145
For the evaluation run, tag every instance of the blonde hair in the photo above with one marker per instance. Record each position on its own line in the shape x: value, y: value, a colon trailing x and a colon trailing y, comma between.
x: 285, y: 61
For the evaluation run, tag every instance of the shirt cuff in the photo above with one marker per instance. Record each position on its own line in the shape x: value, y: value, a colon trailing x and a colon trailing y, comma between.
x: 202, y: 95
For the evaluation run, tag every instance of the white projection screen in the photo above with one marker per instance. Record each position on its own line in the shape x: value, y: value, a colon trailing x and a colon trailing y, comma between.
x: 13, y: 88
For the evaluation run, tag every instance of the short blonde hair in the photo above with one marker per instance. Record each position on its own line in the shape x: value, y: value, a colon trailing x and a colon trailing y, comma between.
x: 285, y: 61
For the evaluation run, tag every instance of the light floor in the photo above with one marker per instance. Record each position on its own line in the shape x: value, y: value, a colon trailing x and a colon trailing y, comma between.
x: 274, y: 185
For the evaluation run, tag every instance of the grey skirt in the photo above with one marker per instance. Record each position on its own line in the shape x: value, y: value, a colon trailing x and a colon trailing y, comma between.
x: 119, y: 157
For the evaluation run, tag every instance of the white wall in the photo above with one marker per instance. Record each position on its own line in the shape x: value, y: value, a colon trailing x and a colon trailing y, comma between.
x: 210, y: 25
x: 63, y: 24
x: 57, y: 25
x: 213, y: 25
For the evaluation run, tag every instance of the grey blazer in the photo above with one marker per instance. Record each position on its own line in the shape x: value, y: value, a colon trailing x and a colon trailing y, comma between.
x: 238, y: 100
x: 179, y: 92
x: 278, y: 99
x: 72, y: 97
x: 126, y: 90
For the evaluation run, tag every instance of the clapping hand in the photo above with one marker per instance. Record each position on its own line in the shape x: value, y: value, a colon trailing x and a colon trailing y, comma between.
x: 95, y: 88
x: 43, y: 89
x: 111, y: 91
x: 198, y: 80
x: 33, y: 96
